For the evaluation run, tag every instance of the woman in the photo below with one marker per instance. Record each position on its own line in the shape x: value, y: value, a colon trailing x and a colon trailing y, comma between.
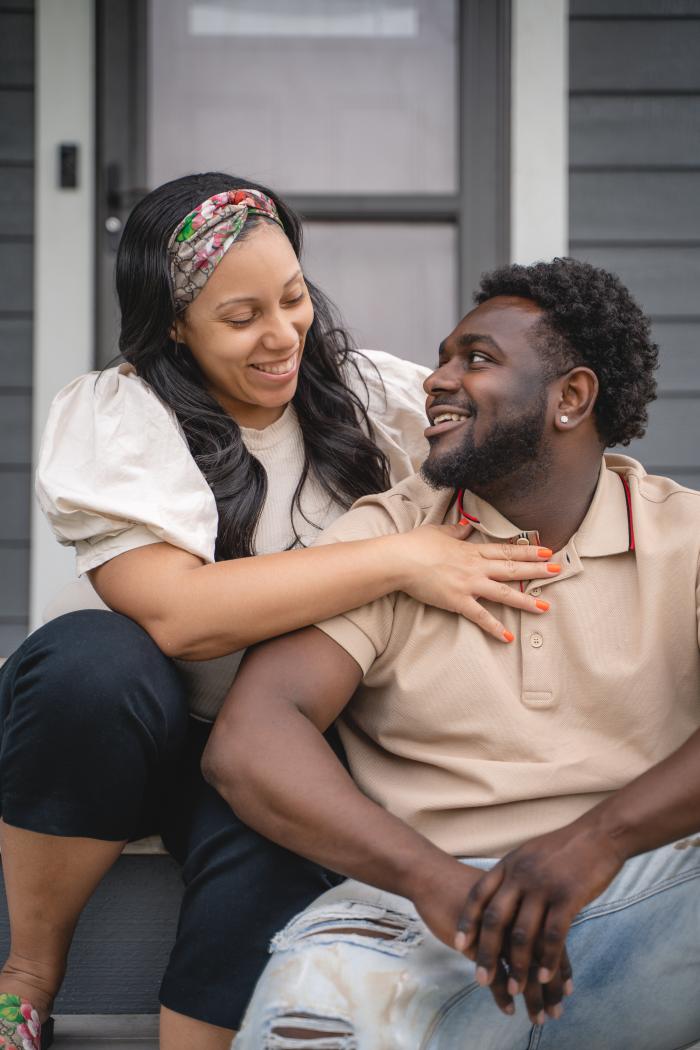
x: 241, y: 425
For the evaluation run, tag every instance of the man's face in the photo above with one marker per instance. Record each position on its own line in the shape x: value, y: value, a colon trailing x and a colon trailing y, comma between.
x: 491, y: 379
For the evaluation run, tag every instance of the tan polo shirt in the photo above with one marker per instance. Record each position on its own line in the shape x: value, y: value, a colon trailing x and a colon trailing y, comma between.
x: 480, y: 745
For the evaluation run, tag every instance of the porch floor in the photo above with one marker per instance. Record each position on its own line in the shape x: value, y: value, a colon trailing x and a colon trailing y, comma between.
x: 106, y: 1032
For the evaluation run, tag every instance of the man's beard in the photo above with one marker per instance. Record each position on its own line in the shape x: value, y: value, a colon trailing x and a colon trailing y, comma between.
x: 510, y: 446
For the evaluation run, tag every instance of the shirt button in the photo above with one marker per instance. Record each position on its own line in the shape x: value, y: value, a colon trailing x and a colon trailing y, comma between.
x: 536, y: 591
x: 536, y: 640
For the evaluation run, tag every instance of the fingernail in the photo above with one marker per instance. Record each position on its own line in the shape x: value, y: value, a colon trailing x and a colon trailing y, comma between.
x: 541, y: 1017
x: 556, y: 1011
x: 463, y: 521
x: 553, y: 568
x: 509, y: 636
x: 509, y: 1009
x: 513, y: 988
x: 482, y: 976
x: 542, y: 605
x: 568, y: 987
x: 544, y: 552
x: 460, y: 941
x: 544, y: 975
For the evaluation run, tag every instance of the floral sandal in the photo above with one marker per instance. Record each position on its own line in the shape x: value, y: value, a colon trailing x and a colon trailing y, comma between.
x: 20, y: 1028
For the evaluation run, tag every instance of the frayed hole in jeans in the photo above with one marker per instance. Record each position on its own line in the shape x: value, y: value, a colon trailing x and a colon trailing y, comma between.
x: 296, y: 1031
x: 355, y: 922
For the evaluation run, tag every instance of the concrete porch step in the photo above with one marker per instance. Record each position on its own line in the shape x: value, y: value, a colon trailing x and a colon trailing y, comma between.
x: 123, y: 940
x: 106, y: 1032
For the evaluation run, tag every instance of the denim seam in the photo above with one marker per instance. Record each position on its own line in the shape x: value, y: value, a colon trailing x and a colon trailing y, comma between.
x: 445, y: 1010
x: 535, y: 1037
x: 593, y: 912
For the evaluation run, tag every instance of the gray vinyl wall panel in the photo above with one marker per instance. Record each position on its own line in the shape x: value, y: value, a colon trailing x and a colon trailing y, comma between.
x: 635, y: 191
x: 16, y: 267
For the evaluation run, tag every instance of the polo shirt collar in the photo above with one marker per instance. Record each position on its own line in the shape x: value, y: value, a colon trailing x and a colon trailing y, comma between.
x: 607, y: 528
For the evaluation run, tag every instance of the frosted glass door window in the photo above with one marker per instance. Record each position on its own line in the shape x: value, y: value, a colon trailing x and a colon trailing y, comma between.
x: 395, y: 285
x: 310, y: 96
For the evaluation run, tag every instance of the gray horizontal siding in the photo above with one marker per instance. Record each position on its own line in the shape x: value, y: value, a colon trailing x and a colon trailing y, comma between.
x: 17, y: 200
x: 673, y: 439
x: 14, y: 521
x: 15, y: 351
x: 634, y: 206
x: 634, y: 8
x: 14, y: 573
x: 16, y: 262
x: 679, y: 342
x: 12, y: 633
x: 15, y: 429
x: 654, y: 131
x: 635, y: 191
x: 17, y: 68
x: 16, y: 290
x: 666, y: 281
x: 624, y: 55
x: 17, y: 123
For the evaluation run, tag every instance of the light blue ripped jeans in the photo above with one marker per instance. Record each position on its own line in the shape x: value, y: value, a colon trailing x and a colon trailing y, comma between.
x: 635, y: 953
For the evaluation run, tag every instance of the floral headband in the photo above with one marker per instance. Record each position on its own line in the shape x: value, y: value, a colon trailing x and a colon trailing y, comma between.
x: 201, y: 240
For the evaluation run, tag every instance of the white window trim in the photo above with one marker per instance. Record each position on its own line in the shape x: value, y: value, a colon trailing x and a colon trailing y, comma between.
x: 64, y: 267
x: 539, y: 130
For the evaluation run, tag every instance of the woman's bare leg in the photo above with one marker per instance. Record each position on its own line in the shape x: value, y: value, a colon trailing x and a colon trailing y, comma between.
x: 48, y: 881
x: 178, y: 1032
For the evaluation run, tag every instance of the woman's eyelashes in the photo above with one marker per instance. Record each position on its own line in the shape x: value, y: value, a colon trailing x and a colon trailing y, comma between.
x: 241, y: 322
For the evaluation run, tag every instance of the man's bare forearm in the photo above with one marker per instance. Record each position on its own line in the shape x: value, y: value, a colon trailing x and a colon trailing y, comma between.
x: 294, y: 790
x: 656, y: 808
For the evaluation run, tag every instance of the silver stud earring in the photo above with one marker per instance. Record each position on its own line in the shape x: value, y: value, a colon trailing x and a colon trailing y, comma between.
x: 564, y: 419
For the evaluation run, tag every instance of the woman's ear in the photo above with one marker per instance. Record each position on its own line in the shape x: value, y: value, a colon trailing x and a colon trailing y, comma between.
x: 577, y: 395
x: 176, y: 333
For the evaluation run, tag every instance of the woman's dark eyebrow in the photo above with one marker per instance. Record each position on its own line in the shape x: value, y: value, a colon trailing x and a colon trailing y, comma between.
x: 252, y: 298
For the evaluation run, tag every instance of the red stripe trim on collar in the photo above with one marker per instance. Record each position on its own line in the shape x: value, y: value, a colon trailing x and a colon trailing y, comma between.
x: 628, y: 502
x: 630, y: 518
x: 462, y: 511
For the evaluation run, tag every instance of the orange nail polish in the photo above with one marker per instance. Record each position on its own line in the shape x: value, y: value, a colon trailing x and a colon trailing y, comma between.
x: 509, y: 636
x: 554, y: 568
x: 544, y: 552
x: 542, y: 605
x: 463, y: 521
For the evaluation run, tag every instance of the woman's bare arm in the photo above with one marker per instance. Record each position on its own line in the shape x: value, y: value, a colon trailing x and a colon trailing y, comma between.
x: 196, y: 612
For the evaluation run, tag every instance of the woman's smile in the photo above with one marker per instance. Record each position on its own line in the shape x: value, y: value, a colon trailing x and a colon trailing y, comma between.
x: 278, y: 369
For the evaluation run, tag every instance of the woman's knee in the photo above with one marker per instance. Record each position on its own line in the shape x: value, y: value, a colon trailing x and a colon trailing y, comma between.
x: 94, y: 669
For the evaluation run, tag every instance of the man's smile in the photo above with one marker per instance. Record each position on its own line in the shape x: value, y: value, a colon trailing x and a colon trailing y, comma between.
x: 445, y: 417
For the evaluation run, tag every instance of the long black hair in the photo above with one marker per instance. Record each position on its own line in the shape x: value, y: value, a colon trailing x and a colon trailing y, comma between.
x: 343, y: 458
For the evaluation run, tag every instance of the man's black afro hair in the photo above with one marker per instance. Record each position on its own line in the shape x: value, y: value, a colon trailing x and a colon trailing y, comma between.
x: 590, y: 319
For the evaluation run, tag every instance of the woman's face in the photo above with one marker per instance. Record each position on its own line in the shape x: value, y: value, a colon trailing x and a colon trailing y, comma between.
x: 247, y: 327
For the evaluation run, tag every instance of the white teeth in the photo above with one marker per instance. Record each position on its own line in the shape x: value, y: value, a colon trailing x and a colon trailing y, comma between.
x: 446, y: 417
x: 279, y: 369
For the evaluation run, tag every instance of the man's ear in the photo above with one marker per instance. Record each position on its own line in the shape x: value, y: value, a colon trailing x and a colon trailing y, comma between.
x: 577, y: 394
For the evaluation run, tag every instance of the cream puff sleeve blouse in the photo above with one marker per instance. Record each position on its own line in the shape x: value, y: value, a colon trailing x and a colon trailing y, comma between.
x: 115, y: 471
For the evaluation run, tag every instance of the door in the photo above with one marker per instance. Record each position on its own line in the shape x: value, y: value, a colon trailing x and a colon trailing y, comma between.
x: 384, y: 122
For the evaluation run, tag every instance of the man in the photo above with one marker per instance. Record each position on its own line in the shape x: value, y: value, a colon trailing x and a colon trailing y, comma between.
x: 573, y: 754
